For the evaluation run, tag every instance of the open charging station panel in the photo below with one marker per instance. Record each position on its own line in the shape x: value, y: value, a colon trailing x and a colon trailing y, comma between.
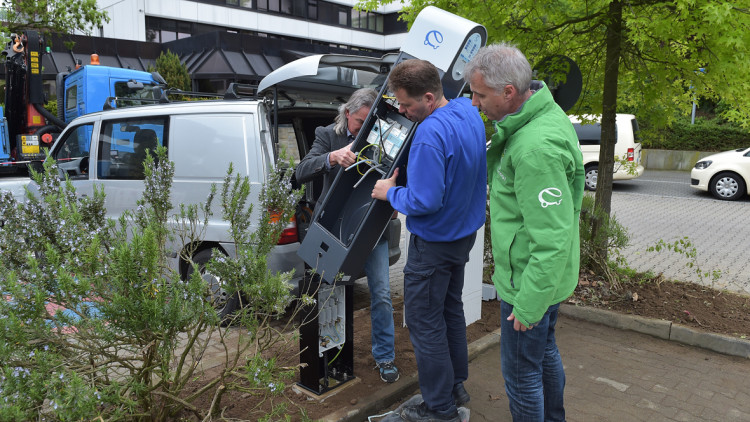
x: 348, y: 222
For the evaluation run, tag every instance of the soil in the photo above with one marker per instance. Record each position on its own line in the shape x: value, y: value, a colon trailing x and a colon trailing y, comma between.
x: 689, y: 304
x: 693, y: 305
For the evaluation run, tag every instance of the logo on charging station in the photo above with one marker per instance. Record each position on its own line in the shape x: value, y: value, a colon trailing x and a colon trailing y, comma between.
x: 433, y: 38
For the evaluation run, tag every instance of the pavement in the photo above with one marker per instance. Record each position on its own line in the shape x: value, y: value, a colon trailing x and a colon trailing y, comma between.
x: 661, y: 205
x: 619, y: 368
x: 623, y: 368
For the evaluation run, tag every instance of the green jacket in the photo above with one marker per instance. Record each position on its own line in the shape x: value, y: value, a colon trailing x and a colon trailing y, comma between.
x: 535, y: 176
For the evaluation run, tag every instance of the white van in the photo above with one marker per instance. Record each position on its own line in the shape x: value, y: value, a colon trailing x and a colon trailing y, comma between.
x: 627, y: 147
x: 202, y: 137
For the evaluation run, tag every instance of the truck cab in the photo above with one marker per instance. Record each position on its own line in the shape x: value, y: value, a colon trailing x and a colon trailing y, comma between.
x: 88, y: 88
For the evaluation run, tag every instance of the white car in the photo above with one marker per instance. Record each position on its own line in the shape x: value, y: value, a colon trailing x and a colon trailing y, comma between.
x: 725, y: 174
x: 627, y: 147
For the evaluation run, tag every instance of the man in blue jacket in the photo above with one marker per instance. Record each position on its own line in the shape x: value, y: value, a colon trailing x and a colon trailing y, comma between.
x: 535, y: 171
x: 444, y: 203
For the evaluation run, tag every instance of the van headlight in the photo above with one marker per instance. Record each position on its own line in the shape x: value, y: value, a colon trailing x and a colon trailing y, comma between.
x: 700, y: 165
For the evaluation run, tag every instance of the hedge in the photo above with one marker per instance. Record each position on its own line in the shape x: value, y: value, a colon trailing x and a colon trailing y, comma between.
x: 704, y: 135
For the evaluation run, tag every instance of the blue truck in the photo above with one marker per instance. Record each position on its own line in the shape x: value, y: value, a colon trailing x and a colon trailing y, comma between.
x: 27, y: 128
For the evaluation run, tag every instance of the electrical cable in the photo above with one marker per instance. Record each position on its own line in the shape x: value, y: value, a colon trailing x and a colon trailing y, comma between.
x: 337, y: 355
x: 369, y: 418
x: 359, y: 155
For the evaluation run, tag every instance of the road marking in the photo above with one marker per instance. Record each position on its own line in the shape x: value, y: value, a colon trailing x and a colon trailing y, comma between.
x: 659, y: 181
x: 614, y: 384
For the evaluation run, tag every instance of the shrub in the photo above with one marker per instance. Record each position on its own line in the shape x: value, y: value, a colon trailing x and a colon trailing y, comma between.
x: 613, y: 235
x: 173, y: 70
x: 94, y: 325
x: 704, y: 135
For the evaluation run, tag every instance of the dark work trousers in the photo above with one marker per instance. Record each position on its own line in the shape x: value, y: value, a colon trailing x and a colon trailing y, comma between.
x: 433, y: 282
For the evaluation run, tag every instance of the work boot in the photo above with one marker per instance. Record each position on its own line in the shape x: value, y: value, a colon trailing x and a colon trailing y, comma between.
x: 460, y: 396
x: 420, y: 413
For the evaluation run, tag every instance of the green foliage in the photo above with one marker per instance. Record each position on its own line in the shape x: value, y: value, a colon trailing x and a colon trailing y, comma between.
x: 664, y: 43
x: 95, y: 325
x: 686, y: 248
x: 610, y: 232
x: 173, y: 70
x: 704, y: 135
x: 59, y: 16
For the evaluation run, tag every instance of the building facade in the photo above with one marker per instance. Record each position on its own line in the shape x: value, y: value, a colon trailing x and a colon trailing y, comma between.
x: 224, y: 41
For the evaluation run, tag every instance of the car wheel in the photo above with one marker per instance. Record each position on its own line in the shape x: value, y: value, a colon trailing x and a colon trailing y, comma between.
x: 223, y: 301
x: 592, y: 172
x: 727, y: 185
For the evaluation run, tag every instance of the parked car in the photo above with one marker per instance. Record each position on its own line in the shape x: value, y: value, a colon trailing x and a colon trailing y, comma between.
x: 627, y: 147
x: 725, y: 174
x: 202, y: 137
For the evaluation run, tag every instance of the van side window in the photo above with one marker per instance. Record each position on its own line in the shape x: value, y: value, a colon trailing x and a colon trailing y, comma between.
x: 209, y: 142
x: 636, y: 131
x: 288, y: 142
x: 590, y: 134
x: 72, y: 153
x: 124, y: 144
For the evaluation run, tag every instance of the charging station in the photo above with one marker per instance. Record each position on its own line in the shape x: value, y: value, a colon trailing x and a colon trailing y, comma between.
x: 348, y: 222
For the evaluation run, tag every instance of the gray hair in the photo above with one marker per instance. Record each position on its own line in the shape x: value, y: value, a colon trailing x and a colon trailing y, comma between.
x: 364, y: 97
x: 500, y: 65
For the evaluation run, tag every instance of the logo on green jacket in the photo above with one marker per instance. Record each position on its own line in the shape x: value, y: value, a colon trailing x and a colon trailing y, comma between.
x: 550, y: 196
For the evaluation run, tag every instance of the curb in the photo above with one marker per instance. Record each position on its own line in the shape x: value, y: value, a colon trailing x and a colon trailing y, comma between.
x: 387, y: 396
x: 666, y: 330
x: 390, y: 394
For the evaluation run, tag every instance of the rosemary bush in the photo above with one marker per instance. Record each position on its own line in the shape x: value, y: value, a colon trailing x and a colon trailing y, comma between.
x: 95, y: 325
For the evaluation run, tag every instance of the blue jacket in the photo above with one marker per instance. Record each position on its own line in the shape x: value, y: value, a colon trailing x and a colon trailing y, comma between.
x: 446, y: 185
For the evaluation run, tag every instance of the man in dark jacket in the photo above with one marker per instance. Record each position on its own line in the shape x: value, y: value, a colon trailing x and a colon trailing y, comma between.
x: 331, y: 152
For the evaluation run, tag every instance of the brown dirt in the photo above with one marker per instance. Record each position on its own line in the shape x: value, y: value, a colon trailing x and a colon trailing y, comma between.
x: 243, y: 406
x: 689, y: 304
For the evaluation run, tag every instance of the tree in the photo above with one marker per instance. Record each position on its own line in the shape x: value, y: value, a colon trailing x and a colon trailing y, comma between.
x: 173, y: 70
x: 57, y: 16
x: 651, y: 57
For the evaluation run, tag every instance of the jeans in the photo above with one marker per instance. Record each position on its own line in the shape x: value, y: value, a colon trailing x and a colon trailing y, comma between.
x: 532, y: 368
x: 433, y: 284
x: 381, y: 309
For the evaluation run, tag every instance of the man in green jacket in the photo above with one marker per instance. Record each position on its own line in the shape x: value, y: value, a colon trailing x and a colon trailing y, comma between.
x: 536, y: 178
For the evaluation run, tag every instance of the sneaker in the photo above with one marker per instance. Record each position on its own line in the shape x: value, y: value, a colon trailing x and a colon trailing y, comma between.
x: 420, y: 413
x: 388, y: 371
x: 460, y: 396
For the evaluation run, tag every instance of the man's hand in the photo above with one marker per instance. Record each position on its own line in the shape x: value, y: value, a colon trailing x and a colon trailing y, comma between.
x: 380, y: 191
x: 517, y: 325
x: 343, y: 157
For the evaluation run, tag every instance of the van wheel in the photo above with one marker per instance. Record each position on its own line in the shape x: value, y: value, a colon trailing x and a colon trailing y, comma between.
x: 592, y: 172
x: 727, y: 185
x: 224, y: 302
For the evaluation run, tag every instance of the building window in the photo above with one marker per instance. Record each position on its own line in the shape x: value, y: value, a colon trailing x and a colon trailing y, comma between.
x: 343, y: 17
x: 312, y: 9
x: 362, y: 19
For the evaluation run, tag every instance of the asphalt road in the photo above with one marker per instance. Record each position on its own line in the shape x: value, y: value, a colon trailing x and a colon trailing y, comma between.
x: 661, y: 205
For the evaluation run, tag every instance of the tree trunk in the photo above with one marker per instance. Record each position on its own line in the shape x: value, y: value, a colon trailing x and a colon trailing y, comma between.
x: 603, y: 197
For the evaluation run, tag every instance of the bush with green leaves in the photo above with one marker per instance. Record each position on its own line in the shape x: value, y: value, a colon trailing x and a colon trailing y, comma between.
x: 704, y: 135
x: 173, y: 71
x: 612, y: 234
x: 95, y: 325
